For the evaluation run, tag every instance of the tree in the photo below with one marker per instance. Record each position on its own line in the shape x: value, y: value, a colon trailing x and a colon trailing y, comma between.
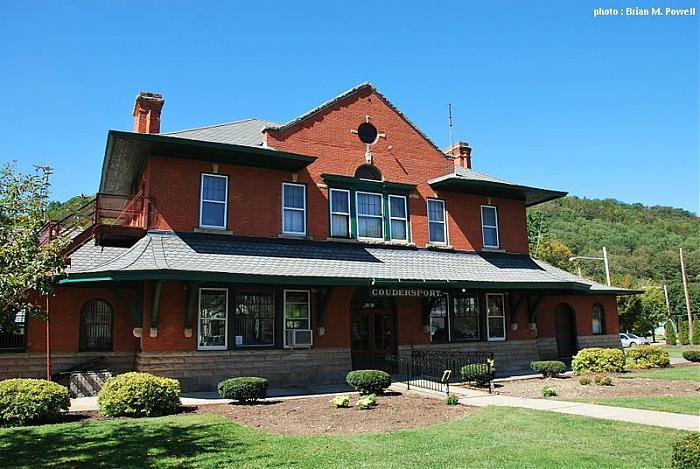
x: 695, y: 339
x: 670, y: 333
x: 537, y: 229
x: 683, y: 338
x: 652, y: 311
x: 629, y: 307
x: 554, y: 252
x: 28, y: 268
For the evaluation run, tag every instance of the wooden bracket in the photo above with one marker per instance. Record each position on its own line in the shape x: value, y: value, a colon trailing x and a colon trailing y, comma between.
x: 324, y: 295
x: 155, y: 305
x: 532, y: 308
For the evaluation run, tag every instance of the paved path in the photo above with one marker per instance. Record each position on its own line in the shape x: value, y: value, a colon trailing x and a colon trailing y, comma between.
x: 623, y: 414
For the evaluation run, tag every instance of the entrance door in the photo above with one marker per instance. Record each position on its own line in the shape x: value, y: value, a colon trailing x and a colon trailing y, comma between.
x: 566, y: 331
x: 373, y: 334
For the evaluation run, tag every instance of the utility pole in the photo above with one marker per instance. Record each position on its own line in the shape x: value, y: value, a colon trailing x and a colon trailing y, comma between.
x: 607, y: 265
x: 604, y: 259
x: 668, y: 304
x: 687, y: 295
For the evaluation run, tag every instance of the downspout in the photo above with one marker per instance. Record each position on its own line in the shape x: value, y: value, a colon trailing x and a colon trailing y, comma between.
x: 48, y: 342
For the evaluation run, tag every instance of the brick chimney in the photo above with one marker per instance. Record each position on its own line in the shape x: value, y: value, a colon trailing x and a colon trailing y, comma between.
x: 147, y: 112
x: 462, y: 154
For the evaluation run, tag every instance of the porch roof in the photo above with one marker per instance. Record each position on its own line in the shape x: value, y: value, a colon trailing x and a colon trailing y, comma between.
x: 226, y: 258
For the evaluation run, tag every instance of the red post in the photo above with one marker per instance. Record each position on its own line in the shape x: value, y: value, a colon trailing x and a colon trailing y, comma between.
x: 48, y: 342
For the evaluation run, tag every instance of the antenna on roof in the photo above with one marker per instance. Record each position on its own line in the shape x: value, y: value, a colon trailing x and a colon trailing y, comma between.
x: 449, y: 122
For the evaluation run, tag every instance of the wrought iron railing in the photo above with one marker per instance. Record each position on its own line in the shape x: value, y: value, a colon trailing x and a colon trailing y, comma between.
x: 436, y: 370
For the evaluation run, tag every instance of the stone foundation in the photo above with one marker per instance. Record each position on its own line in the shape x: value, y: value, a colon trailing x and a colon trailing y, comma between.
x: 511, y: 355
x: 547, y: 348
x: 33, y: 365
x: 608, y: 341
x: 202, y: 370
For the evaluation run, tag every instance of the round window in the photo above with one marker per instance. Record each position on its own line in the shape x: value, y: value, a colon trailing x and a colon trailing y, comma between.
x: 367, y: 133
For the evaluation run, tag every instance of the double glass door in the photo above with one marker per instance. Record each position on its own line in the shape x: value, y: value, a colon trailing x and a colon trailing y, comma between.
x: 373, y: 337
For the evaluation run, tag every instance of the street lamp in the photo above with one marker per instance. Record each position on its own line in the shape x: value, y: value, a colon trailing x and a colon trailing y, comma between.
x: 604, y: 259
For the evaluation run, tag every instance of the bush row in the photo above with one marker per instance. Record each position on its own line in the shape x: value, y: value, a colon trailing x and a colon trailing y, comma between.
x: 648, y: 356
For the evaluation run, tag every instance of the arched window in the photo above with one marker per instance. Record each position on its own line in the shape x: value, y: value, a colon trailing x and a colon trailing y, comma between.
x: 598, y: 319
x: 96, y: 319
x: 367, y: 171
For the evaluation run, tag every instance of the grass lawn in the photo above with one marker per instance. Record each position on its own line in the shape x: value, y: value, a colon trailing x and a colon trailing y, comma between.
x: 676, y: 404
x: 687, y: 373
x: 676, y: 351
x: 488, y: 438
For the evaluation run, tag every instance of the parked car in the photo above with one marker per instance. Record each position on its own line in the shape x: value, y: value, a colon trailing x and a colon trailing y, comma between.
x: 630, y: 340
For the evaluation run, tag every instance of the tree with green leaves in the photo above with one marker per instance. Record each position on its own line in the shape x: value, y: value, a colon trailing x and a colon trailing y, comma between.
x: 652, y: 312
x: 695, y: 339
x: 683, y: 338
x: 670, y: 333
x: 28, y: 267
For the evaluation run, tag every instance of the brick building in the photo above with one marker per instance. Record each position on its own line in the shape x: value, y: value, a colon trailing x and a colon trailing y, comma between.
x: 302, y: 250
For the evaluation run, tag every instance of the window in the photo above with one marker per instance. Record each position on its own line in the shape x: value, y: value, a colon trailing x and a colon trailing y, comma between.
x: 293, y: 209
x: 437, y: 233
x: 495, y: 317
x: 213, y: 317
x: 439, y: 322
x: 369, y: 172
x: 370, y: 215
x: 297, y: 316
x: 489, y: 226
x: 13, y: 337
x: 213, y: 201
x: 465, y: 318
x: 367, y: 133
x: 340, y: 213
x: 96, y: 325
x: 254, y: 322
x: 398, y: 218
x: 598, y: 319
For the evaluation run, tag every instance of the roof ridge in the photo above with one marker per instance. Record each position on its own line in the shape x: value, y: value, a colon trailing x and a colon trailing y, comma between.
x: 215, y: 125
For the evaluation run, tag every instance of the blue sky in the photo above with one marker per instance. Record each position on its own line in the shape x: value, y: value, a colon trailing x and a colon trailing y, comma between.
x: 545, y: 94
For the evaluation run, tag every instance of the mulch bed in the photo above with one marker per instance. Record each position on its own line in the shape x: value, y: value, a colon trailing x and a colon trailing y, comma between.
x: 316, y: 416
x: 570, y: 388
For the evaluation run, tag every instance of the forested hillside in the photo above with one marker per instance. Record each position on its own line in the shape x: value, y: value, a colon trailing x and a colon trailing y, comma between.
x: 642, y: 242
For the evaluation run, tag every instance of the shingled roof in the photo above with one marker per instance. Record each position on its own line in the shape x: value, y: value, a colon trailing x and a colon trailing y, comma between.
x: 199, y: 256
x: 247, y: 132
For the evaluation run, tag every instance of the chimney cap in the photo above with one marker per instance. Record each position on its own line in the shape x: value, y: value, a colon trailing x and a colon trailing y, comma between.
x: 455, y: 146
x: 148, y: 100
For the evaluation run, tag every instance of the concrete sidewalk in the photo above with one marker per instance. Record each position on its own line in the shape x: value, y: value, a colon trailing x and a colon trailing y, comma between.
x: 202, y: 398
x: 623, y: 414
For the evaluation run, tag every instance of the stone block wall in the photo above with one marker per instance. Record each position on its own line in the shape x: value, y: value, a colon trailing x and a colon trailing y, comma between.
x: 33, y: 365
x: 202, y: 370
x: 606, y: 340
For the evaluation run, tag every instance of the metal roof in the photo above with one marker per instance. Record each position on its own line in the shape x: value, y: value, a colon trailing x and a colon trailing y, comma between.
x: 243, y: 132
x: 199, y: 256
x: 474, y: 182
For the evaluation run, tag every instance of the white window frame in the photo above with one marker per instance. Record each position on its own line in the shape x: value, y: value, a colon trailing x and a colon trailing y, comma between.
x: 357, y: 215
x: 444, y: 222
x: 483, y: 226
x: 202, y: 200
x: 330, y: 210
x: 303, y: 210
x: 405, y: 219
x: 488, y: 329
x: 199, y: 321
x: 602, y: 319
x: 284, y: 315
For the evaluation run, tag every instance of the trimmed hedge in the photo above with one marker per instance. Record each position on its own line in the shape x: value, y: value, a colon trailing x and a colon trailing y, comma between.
x: 647, y: 356
x: 598, y: 360
x: 686, y: 452
x: 369, y: 381
x: 24, y: 401
x: 481, y: 373
x: 244, y: 389
x: 139, y: 395
x: 692, y: 355
x: 548, y: 368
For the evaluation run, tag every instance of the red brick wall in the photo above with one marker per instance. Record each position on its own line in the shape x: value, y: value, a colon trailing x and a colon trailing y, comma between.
x: 583, y: 311
x: 171, y: 319
x: 255, y: 194
x: 65, y: 321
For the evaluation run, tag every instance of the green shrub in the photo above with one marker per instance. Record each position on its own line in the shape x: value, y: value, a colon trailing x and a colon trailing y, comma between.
x: 342, y: 400
x: 695, y: 338
x: 244, y: 389
x: 683, y: 338
x: 692, y: 355
x: 584, y: 381
x: 548, y: 368
x: 548, y: 392
x: 24, y: 401
x: 670, y: 333
x: 480, y: 373
x: 686, y: 452
x: 139, y: 395
x: 369, y: 381
x: 598, y: 360
x: 603, y: 381
x: 452, y: 400
x: 647, y: 356
x: 366, y: 402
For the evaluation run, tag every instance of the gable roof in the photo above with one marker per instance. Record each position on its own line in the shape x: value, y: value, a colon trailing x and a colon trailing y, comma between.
x: 200, y: 256
x: 355, y: 89
x: 248, y: 132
